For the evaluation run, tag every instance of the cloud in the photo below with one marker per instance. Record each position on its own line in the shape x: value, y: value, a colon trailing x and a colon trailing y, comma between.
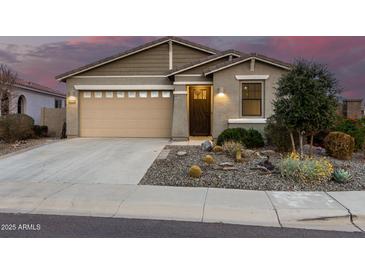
x: 345, y: 56
x: 7, y: 57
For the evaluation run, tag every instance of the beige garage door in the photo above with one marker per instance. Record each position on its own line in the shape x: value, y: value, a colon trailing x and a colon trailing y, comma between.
x: 125, y: 114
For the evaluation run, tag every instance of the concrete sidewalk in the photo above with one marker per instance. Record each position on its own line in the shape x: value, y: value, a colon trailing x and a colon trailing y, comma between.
x: 341, y: 211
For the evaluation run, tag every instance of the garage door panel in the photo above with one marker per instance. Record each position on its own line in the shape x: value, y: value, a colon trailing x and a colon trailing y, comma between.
x: 124, y: 114
x: 125, y: 117
x: 102, y: 124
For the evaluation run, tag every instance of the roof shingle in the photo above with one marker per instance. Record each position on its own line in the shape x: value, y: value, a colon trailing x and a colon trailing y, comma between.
x: 31, y: 85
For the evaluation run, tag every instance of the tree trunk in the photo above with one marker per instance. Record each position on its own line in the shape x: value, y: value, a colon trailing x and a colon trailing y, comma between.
x: 311, y: 145
x: 292, y: 142
x: 301, y: 144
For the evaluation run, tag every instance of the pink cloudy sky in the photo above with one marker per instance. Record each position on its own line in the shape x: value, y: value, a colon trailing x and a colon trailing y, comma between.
x: 39, y: 59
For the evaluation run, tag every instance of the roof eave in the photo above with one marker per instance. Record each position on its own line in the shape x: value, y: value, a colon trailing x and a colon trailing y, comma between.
x: 41, y: 91
x: 208, y: 72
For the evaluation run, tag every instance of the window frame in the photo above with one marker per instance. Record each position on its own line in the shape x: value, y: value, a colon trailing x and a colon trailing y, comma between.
x: 109, y: 94
x: 132, y: 92
x: 58, y: 103
x: 262, y: 100
x: 142, y: 94
x: 120, y: 94
x: 96, y: 93
x: 155, y: 94
x: 166, y: 94
x: 87, y: 94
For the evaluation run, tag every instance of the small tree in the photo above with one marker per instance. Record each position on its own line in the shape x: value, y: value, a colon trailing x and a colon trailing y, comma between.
x: 306, y: 100
x: 7, y: 81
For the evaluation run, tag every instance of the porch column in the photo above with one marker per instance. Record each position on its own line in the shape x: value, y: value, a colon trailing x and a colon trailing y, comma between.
x: 180, y: 116
x: 72, y: 111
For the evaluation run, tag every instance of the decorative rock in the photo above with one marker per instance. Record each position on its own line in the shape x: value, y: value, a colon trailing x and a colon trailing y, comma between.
x: 316, y: 150
x: 208, y: 159
x: 207, y: 145
x: 230, y: 168
x: 217, y: 149
x: 181, y: 153
x: 267, y: 164
x: 268, y: 152
x: 226, y: 164
x: 248, y: 152
x: 195, y: 171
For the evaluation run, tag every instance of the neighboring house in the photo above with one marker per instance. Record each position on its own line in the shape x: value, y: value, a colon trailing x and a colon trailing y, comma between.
x: 171, y: 87
x: 29, y: 98
x: 352, y: 108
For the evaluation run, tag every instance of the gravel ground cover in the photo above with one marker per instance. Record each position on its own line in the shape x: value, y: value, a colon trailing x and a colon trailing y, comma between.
x: 173, y: 171
x: 6, y: 148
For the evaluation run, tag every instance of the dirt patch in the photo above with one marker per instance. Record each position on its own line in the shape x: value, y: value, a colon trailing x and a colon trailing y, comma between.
x: 6, y: 148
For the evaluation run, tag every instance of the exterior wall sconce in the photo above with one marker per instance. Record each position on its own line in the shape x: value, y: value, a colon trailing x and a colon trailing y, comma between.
x: 72, y: 98
x: 220, y: 91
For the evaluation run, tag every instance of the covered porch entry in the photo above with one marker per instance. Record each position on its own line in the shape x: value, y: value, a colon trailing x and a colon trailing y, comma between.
x: 200, y: 110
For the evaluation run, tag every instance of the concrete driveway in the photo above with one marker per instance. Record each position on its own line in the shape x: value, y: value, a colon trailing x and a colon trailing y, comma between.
x: 83, y: 161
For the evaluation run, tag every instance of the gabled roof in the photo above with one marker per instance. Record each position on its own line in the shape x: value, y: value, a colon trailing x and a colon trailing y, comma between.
x: 38, y: 88
x: 205, y: 60
x: 246, y: 58
x: 135, y: 50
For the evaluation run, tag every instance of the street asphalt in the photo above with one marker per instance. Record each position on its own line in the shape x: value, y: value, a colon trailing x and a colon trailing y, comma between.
x: 52, y: 226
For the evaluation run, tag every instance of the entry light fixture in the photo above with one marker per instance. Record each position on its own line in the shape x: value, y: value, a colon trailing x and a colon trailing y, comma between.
x: 220, y: 91
x: 71, y: 98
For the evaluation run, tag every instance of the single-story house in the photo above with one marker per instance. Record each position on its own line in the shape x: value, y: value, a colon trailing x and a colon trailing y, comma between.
x: 171, y: 87
x: 29, y: 98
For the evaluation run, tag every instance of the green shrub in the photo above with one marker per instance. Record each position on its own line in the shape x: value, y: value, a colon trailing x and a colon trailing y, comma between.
x: 354, y: 128
x: 309, y: 171
x: 40, y: 131
x: 250, y: 138
x: 253, y: 139
x: 231, y: 134
x: 339, y: 145
x: 278, y: 135
x: 16, y: 127
x: 231, y: 147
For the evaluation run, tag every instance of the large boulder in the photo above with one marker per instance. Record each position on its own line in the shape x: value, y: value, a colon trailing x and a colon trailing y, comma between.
x: 16, y: 127
x: 207, y: 145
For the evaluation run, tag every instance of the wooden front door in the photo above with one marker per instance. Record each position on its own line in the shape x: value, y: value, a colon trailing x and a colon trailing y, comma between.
x: 199, y: 110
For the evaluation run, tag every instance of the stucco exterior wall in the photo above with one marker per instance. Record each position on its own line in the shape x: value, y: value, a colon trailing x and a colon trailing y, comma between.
x: 34, y: 102
x: 180, y: 115
x: 228, y: 106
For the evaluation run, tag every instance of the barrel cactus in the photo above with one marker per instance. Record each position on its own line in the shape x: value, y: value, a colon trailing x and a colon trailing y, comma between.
x: 195, y: 171
x: 217, y: 149
x: 208, y: 159
x: 342, y: 176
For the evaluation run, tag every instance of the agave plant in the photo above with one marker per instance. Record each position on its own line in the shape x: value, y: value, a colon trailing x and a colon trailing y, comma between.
x: 342, y: 176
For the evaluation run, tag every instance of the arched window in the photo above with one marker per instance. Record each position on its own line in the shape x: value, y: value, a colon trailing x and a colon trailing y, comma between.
x: 21, y: 104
